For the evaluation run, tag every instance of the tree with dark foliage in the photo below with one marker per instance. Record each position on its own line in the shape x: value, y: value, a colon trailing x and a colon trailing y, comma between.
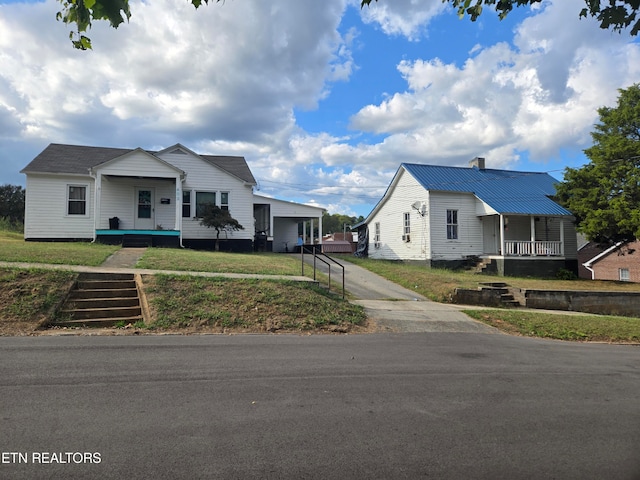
x: 12, y: 204
x: 604, y: 194
x: 220, y: 220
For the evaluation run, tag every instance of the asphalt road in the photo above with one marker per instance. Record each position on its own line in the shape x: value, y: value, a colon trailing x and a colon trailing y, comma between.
x: 382, y: 406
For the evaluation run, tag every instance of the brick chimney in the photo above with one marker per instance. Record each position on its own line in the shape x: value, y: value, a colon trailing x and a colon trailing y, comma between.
x: 477, y: 162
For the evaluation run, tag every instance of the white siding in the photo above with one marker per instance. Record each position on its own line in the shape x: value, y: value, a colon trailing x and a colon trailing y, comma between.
x: 204, y: 177
x: 285, y: 234
x: 469, y: 241
x: 138, y: 163
x: 285, y: 216
x: 46, y: 208
x: 390, y: 214
x: 119, y: 200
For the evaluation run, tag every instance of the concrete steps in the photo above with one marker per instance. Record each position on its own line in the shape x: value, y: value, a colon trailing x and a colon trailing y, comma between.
x: 137, y: 240
x: 101, y: 300
x: 509, y: 296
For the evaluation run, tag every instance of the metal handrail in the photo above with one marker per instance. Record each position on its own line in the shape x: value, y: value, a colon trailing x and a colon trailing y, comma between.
x: 318, y: 256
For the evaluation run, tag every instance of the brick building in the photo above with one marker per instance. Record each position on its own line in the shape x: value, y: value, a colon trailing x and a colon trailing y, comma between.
x: 620, y: 262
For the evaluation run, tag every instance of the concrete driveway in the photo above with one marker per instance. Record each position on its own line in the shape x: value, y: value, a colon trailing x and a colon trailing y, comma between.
x: 395, y: 308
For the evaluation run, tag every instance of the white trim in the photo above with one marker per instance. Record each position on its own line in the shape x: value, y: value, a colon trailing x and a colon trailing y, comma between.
x: 87, y: 193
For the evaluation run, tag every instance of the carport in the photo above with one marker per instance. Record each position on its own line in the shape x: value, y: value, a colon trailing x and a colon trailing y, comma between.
x: 277, y: 224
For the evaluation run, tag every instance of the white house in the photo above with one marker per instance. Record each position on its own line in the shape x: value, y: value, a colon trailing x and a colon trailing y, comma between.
x: 450, y: 216
x: 117, y: 195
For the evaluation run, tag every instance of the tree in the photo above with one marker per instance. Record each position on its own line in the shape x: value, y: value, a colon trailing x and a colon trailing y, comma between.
x: 618, y: 15
x: 220, y: 220
x: 604, y: 194
x: 336, y: 223
x: 12, y: 204
x: 82, y: 13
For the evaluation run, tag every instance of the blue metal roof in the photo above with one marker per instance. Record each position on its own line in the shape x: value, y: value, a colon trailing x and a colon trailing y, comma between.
x: 506, y: 191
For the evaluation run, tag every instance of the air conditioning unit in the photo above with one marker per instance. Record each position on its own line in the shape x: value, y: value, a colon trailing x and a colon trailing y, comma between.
x: 406, y: 238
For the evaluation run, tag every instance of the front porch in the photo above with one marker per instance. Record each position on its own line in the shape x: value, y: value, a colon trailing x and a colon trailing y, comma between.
x: 542, y: 266
x: 523, y: 236
x: 139, y: 238
x: 534, y: 248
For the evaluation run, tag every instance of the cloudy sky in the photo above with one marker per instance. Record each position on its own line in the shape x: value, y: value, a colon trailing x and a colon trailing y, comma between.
x: 323, y: 99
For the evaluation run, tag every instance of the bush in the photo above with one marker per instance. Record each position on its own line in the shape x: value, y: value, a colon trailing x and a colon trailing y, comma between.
x: 564, y: 274
x: 8, y: 226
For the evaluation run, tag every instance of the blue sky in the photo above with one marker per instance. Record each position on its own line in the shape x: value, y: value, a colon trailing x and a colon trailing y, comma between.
x: 323, y: 99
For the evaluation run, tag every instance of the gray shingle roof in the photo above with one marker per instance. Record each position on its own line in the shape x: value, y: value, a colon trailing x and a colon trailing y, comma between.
x: 78, y: 159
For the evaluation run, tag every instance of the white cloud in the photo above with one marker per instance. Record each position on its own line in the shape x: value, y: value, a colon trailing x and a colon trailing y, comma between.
x: 227, y: 79
x: 540, y: 95
x: 408, y: 18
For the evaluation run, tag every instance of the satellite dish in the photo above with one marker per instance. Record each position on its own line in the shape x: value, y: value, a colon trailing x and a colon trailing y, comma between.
x: 417, y: 205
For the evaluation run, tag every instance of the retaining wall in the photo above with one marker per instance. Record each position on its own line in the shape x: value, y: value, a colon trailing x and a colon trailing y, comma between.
x: 606, y: 303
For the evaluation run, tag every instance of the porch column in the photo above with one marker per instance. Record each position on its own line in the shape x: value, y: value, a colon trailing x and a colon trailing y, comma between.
x: 562, y: 237
x: 533, y: 235
x: 502, y: 251
x: 304, y: 232
x: 320, y: 230
x: 178, y: 222
x: 311, y: 230
x: 96, y: 205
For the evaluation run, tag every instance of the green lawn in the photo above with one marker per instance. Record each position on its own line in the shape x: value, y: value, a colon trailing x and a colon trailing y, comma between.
x: 220, y: 262
x: 439, y: 284
x: 599, y: 328
x: 182, y: 302
x: 252, y: 305
x: 13, y: 248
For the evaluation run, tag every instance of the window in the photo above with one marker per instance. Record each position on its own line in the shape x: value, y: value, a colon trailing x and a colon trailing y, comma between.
x: 624, y: 274
x: 186, y: 203
x: 202, y: 198
x: 224, y: 200
x: 77, y: 200
x: 406, y: 227
x: 376, y: 235
x: 452, y: 224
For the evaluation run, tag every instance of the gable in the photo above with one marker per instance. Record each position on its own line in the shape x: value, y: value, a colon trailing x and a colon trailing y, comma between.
x: 138, y: 163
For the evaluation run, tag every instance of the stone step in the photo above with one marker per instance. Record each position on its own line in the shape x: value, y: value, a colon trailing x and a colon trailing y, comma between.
x: 97, y: 322
x: 89, y: 313
x: 101, y: 276
x: 103, y: 293
x: 110, y: 302
x: 105, y: 284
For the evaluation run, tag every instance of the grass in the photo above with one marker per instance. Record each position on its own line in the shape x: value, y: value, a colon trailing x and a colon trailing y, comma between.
x: 220, y: 262
x: 13, y: 248
x: 30, y: 296
x: 440, y: 284
x: 246, y: 305
x: 599, y: 328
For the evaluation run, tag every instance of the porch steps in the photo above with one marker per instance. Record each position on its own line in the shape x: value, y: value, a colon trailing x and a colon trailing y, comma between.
x: 137, y: 240
x: 509, y: 296
x: 486, y: 266
x: 101, y: 300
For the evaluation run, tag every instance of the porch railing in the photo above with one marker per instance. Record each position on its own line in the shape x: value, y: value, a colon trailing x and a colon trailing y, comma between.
x: 524, y: 247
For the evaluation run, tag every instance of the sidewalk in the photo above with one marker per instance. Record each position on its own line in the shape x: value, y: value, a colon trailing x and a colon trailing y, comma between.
x: 396, y: 308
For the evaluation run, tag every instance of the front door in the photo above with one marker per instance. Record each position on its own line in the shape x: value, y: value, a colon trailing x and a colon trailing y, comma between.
x: 145, y: 215
x: 490, y: 234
